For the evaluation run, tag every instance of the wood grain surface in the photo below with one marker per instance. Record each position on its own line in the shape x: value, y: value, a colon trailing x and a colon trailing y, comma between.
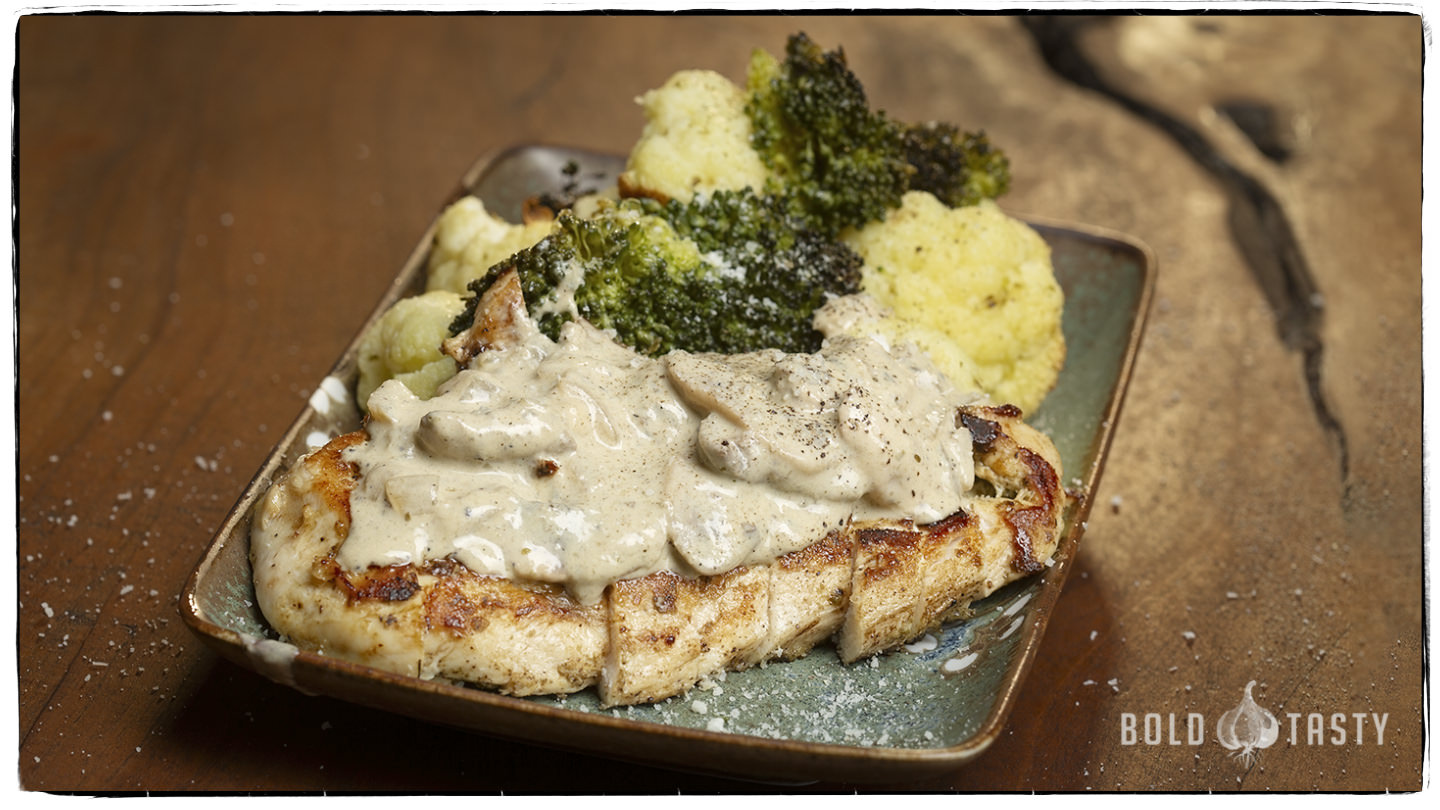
x: 208, y: 206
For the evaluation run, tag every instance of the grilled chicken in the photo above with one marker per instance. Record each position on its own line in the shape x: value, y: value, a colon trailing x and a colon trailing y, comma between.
x: 870, y: 587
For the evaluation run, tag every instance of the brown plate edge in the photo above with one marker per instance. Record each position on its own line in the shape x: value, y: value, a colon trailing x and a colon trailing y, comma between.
x: 1056, y: 576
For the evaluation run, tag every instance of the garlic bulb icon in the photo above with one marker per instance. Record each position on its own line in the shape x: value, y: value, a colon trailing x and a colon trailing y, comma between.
x: 1247, y: 728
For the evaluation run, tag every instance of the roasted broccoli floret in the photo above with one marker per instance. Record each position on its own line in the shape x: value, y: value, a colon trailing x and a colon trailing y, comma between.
x: 960, y: 168
x: 634, y: 275
x: 725, y: 273
x: 774, y: 272
x: 841, y: 163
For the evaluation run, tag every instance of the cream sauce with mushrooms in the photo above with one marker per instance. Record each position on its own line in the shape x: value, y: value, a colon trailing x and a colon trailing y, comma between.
x: 580, y: 462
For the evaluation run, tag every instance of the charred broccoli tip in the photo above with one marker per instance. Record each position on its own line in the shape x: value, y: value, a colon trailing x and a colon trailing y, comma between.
x: 960, y: 168
x: 842, y: 164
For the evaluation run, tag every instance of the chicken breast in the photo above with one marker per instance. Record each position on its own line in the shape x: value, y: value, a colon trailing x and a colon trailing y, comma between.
x: 871, y: 586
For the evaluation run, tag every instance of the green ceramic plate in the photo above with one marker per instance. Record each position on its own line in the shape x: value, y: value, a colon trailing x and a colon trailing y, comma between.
x: 913, y: 713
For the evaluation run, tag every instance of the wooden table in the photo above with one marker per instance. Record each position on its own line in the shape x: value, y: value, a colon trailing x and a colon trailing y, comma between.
x: 210, y: 205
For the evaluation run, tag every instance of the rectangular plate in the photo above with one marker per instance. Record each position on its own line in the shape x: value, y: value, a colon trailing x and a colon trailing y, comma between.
x: 913, y: 713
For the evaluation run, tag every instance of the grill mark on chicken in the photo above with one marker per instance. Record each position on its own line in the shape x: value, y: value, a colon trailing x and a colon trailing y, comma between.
x: 337, y: 476
x: 984, y: 432
x: 1031, y: 522
x: 448, y: 605
x: 395, y: 583
x: 391, y: 584
x: 886, y: 550
x: 950, y: 523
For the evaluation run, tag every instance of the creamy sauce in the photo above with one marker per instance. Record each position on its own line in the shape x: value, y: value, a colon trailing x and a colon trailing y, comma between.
x: 580, y: 462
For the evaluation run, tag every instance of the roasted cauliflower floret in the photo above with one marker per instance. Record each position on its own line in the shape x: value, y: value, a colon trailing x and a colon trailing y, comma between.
x: 405, y: 345
x: 696, y: 140
x: 469, y: 240
x: 1001, y: 303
